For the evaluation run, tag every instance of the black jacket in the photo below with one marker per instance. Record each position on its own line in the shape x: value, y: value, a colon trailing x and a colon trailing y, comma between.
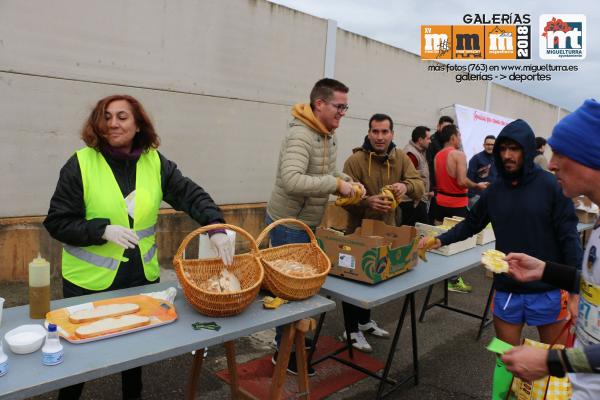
x: 434, y: 147
x: 66, y: 217
x: 482, y: 168
x: 528, y: 212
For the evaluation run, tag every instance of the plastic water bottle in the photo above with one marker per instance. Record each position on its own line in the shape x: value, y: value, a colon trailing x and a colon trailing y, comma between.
x: 3, y: 361
x: 52, y: 351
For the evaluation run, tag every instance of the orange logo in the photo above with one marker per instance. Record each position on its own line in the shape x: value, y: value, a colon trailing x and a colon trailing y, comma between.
x: 475, y: 42
x: 500, y: 42
x: 436, y: 42
x: 468, y: 42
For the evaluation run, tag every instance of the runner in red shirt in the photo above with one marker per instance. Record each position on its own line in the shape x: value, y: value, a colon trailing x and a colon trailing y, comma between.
x: 451, y: 177
x: 452, y: 186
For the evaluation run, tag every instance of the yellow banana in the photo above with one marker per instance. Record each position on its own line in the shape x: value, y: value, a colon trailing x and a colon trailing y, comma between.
x: 427, y: 244
x: 273, y: 302
x: 388, y: 192
x: 355, y: 199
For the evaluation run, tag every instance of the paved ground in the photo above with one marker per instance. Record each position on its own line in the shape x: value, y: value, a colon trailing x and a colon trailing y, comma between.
x: 453, y: 365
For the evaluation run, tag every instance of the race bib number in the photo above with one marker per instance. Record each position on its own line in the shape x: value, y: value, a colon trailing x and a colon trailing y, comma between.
x: 588, y: 319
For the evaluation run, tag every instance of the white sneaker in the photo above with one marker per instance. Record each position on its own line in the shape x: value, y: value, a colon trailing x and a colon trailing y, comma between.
x: 372, y: 328
x: 359, y: 342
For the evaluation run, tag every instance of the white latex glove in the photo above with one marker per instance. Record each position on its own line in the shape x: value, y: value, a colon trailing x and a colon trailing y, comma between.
x: 222, y: 245
x: 121, y: 236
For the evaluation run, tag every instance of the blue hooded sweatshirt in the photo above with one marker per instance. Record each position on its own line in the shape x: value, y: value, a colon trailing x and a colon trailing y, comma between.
x: 482, y: 168
x: 528, y: 212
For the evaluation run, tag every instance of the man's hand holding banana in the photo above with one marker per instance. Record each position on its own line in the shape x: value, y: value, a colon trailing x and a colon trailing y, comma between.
x: 428, y: 243
x: 351, y: 193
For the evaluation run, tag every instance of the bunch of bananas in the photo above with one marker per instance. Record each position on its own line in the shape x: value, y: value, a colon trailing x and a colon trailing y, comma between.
x: 387, y: 192
x: 427, y: 244
x: 355, y: 199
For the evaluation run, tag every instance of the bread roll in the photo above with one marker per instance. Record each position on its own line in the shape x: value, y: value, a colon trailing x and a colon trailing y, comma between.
x: 225, y: 282
x: 111, y: 325
x: 294, y: 268
x: 109, y: 310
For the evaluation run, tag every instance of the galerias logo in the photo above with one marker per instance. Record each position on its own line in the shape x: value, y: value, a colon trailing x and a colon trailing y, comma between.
x: 475, y: 42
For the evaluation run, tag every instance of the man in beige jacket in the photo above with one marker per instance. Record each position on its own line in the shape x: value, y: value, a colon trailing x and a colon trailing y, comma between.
x: 306, y: 170
x: 375, y: 164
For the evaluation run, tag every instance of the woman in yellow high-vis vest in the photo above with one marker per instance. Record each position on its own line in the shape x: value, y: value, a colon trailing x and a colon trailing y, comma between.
x: 106, y: 204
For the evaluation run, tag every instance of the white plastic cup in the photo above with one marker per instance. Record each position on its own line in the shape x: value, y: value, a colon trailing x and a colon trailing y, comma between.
x: 1, y: 307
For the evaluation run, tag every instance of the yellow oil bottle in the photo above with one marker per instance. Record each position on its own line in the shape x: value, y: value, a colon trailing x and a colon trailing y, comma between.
x: 39, y: 288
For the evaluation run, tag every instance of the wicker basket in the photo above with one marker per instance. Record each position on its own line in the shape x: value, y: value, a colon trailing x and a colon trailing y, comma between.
x: 246, y: 267
x: 287, y: 286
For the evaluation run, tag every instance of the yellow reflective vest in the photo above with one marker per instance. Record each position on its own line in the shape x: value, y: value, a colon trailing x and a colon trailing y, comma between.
x: 95, y: 267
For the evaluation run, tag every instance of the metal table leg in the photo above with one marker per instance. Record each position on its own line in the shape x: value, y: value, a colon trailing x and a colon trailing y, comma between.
x: 443, y: 303
x: 384, y: 376
x: 410, y: 300
x: 485, y: 321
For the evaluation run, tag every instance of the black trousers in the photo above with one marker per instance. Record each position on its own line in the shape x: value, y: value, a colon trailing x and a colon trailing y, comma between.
x: 431, y: 212
x: 411, y: 214
x: 131, y: 379
x: 354, y: 315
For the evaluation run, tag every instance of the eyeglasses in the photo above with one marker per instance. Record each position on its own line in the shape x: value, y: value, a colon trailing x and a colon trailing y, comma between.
x: 340, y: 107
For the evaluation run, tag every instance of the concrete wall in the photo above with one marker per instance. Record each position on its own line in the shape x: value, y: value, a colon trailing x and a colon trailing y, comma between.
x: 540, y: 115
x: 385, y: 79
x: 218, y: 79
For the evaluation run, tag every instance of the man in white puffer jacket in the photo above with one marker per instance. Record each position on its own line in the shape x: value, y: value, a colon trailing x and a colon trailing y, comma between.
x: 306, y: 170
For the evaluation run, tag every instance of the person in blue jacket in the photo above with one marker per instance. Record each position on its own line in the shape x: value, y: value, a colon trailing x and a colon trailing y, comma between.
x: 529, y: 214
x: 575, y: 143
x: 482, y: 167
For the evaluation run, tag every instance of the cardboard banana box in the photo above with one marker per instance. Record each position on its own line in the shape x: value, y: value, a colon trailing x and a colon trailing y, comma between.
x: 374, y: 253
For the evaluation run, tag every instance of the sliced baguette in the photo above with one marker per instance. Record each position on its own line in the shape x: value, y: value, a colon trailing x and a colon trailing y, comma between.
x: 108, y: 310
x: 107, y: 326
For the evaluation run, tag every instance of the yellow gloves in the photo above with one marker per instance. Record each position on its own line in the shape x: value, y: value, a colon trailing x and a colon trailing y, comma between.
x: 428, y: 243
x: 355, y: 199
